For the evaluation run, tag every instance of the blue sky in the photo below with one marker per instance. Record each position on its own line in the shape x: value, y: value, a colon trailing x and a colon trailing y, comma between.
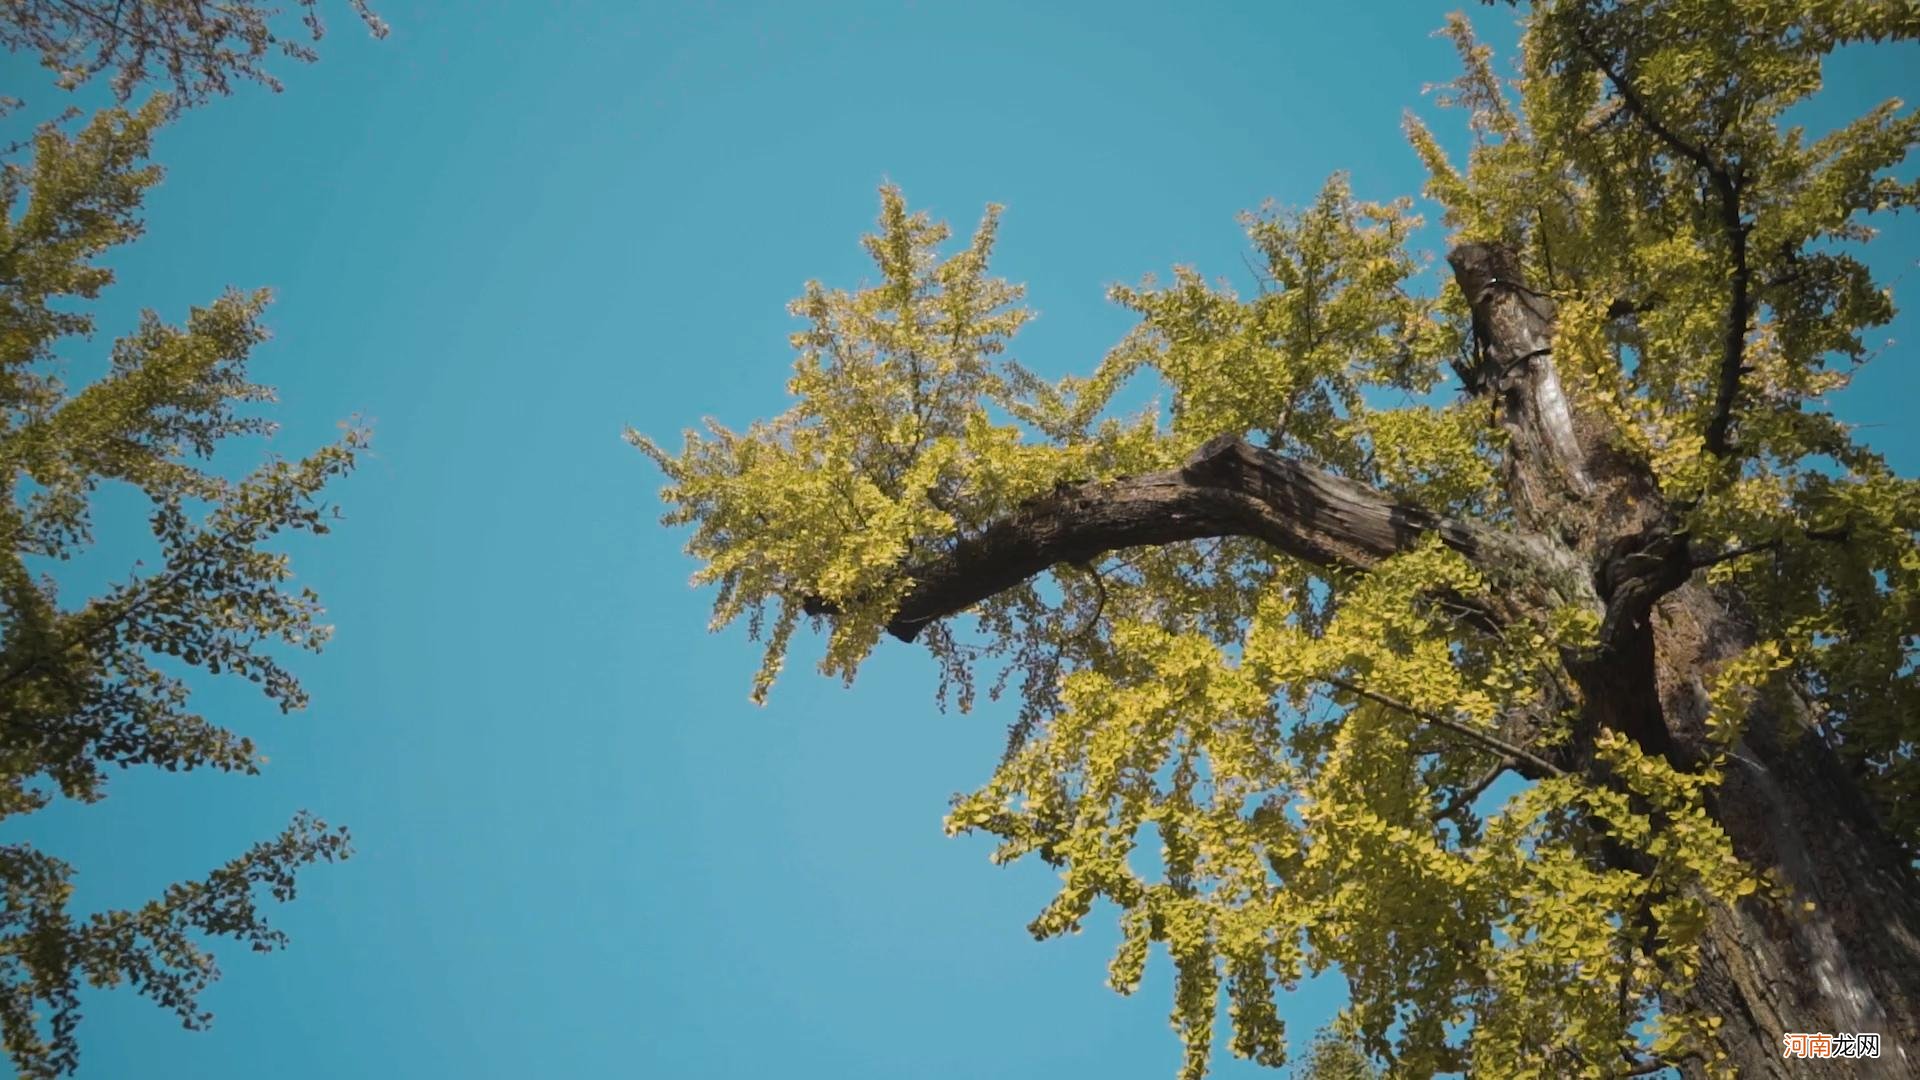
x: 503, y: 237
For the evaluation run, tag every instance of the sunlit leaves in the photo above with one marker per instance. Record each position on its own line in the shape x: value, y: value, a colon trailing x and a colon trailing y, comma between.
x: 898, y: 439
x: 81, y: 197
x: 1334, y: 316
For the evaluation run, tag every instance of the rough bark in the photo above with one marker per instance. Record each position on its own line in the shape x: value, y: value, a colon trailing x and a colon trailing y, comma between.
x: 1594, y: 530
x: 1852, y: 964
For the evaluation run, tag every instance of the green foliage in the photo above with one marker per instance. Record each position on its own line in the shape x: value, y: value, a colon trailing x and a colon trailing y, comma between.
x: 100, y: 683
x: 1271, y: 721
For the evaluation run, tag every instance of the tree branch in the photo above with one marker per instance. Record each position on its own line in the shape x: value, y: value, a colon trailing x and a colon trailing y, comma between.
x: 1637, y: 106
x: 1702, y: 558
x: 1226, y: 488
x: 1623, y: 307
x: 1725, y: 179
x: 1490, y: 742
x: 1470, y: 794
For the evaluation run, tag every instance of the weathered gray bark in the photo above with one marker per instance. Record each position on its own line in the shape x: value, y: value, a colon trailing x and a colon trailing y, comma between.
x: 1853, y: 963
x: 1594, y: 531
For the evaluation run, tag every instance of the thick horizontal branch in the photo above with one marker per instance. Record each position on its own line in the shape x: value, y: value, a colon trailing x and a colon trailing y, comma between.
x: 1227, y: 488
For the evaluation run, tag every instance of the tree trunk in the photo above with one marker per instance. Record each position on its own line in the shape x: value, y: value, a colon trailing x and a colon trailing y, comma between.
x: 1852, y: 963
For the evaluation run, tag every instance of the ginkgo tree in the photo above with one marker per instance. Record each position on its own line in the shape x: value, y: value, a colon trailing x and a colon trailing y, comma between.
x: 1625, y: 551
x: 93, y: 685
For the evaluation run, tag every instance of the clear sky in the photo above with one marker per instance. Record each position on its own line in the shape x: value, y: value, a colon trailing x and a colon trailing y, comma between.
x: 502, y: 236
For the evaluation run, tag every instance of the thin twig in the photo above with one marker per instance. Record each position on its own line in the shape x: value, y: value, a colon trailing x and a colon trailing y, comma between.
x: 1490, y: 742
x: 1703, y: 560
x: 1470, y: 794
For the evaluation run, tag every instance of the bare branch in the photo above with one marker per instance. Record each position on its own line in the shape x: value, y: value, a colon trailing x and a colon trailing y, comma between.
x: 1468, y: 795
x: 1702, y: 559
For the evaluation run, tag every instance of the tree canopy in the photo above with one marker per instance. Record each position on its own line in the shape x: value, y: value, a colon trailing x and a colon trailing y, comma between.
x: 101, y: 683
x: 1578, y: 510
